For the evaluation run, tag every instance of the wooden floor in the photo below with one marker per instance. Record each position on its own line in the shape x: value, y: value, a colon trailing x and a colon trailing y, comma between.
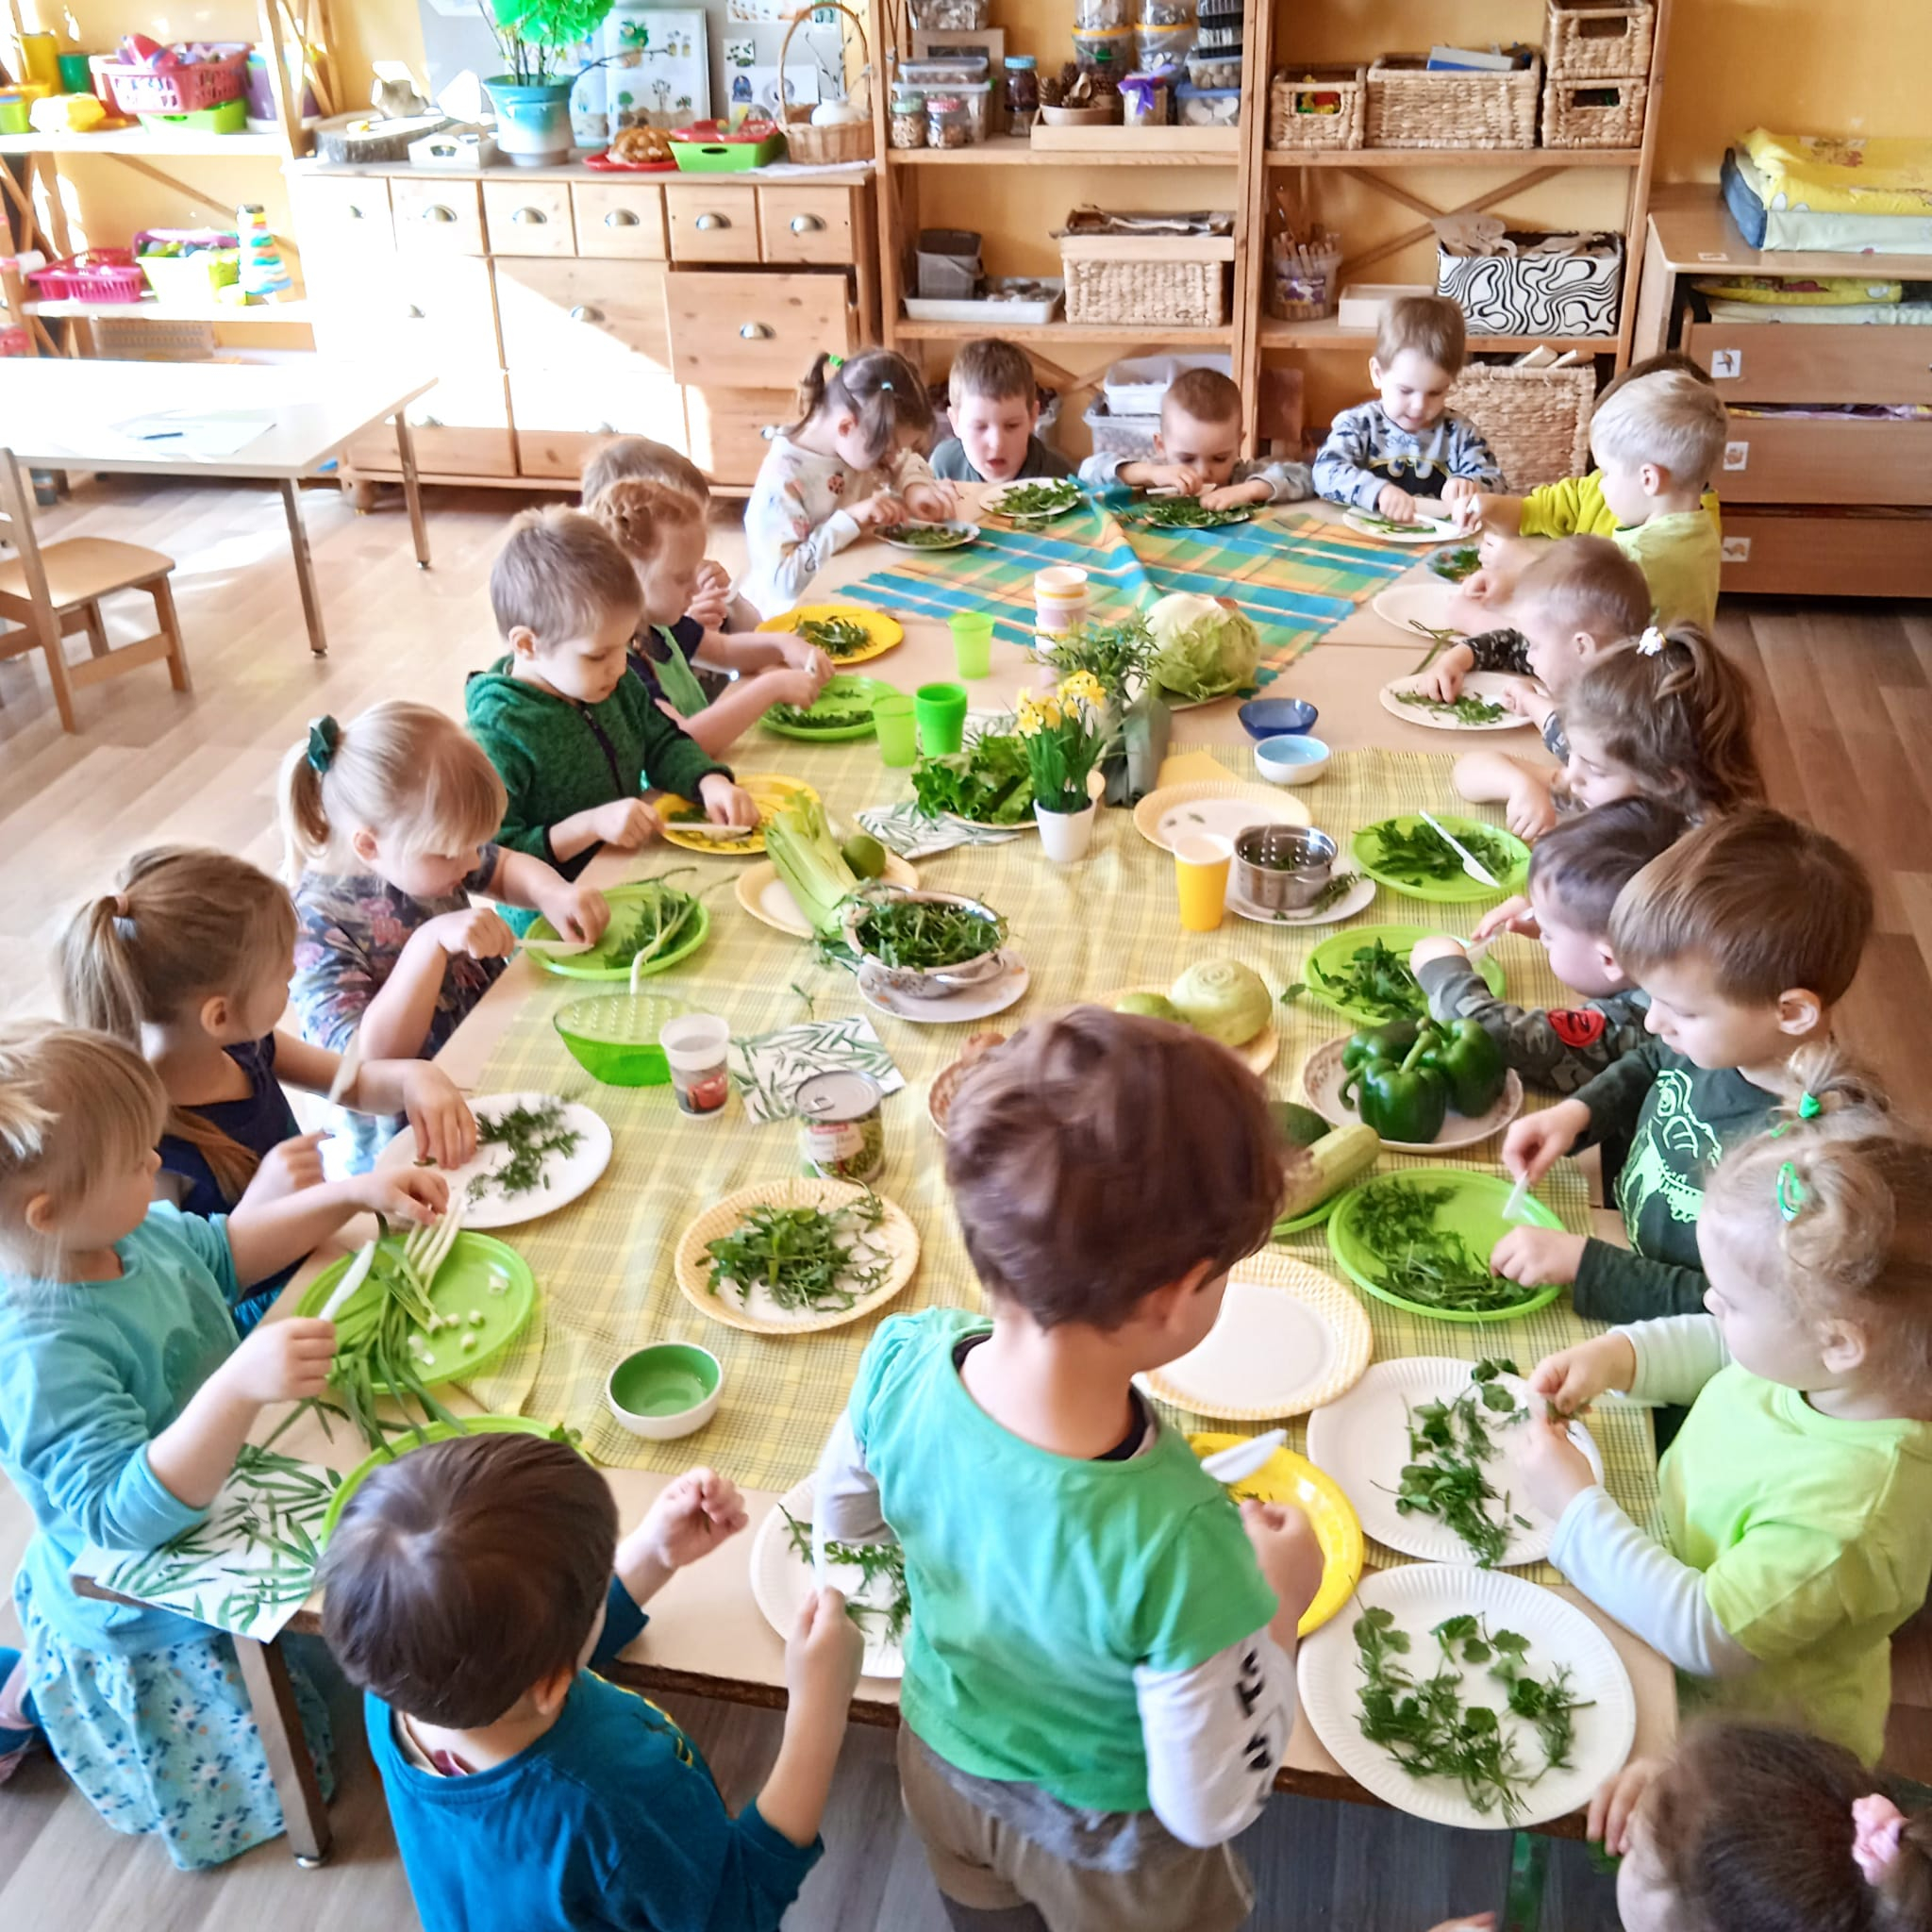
x: 1846, y: 739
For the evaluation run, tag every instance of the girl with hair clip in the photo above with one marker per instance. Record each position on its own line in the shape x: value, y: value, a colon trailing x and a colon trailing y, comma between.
x: 124, y: 1404
x: 850, y: 463
x: 388, y: 824
x: 189, y: 964
x: 1795, y: 1497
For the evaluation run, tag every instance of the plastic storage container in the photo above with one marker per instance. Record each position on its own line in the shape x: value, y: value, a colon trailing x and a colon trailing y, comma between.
x: 1135, y: 386
x: 1165, y: 13
x: 950, y: 16
x: 1304, y: 286
x: 1164, y: 47
x: 1207, y: 107
x: 905, y: 125
x: 1090, y: 15
x: 948, y: 123
x: 1210, y: 68
x: 945, y: 71
x: 948, y: 260
x: 1128, y: 437
x: 1115, y: 42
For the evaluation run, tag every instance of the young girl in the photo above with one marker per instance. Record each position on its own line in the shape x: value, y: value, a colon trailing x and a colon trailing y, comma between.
x: 662, y: 532
x: 124, y: 1402
x: 1795, y: 1497
x: 850, y: 463
x: 188, y: 962
x: 386, y: 823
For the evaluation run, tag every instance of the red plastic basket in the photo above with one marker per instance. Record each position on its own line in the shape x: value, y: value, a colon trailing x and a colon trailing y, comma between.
x: 174, y: 90
x: 95, y: 274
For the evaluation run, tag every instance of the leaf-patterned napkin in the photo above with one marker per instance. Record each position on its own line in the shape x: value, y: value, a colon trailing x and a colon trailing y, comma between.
x: 769, y: 1068
x: 906, y: 830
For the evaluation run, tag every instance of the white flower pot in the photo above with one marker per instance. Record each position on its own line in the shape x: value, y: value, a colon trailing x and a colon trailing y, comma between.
x: 1065, y: 836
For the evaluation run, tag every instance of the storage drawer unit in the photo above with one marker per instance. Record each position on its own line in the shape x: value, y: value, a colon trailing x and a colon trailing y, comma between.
x: 1820, y: 553
x: 438, y: 217
x: 1815, y: 460
x: 439, y: 313
x: 712, y: 222
x: 460, y: 428
x: 561, y: 418
x: 754, y: 331
x: 1813, y: 362
x: 351, y: 214
x: 727, y: 428
x: 583, y: 315
x: 804, y: 225
x: 528, y: 219
x: 621, y: 219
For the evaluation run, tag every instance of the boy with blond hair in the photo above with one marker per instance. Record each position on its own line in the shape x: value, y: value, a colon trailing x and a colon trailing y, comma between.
x: 1197, y: 451
x: 1381, y: 456
x: 994, y: 399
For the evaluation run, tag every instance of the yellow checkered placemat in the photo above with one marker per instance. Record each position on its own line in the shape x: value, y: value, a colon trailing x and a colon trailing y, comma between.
x: 605, y: 1263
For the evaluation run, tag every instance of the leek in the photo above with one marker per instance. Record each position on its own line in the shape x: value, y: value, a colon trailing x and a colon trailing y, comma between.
x: 804, y: 855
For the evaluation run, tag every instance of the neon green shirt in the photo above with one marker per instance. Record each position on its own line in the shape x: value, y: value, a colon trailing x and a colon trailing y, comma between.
x: 1575, y: 507
x: 1678, y: 554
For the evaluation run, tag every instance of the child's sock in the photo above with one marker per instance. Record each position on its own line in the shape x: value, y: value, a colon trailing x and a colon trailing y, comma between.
x: 19, y: 1733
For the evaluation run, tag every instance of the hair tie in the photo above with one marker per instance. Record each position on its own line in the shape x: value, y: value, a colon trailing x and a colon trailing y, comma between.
x: 1791, y: 1192
x: 324, y: 734
x: 887, y: 385
x: 835, y: 363
x: 122, y: 909
x: 1652, y: 642
x: 1809, y: 1107
x: 1876, y: 1826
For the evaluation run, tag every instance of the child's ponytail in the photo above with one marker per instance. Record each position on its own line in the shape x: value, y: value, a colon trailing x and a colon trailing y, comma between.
x: 640, y: 514
x: 305, y: 830
x: 884, y: 392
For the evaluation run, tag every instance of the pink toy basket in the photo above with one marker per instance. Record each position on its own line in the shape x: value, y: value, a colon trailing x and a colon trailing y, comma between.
x: 95, y: 274
x: 184, y: 90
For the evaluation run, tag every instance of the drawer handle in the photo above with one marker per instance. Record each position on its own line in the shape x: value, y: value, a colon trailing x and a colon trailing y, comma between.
x: 620, y: 217
x: 703, y: 222
x: 754, y: 332
x: 806, y: 225
x: 533, y: 216
x: 437, y: 213
x: 413, y: 313
x: 582, y: 312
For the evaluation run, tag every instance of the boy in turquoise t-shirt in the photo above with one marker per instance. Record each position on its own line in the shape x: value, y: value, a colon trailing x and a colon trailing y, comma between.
x: 1099, y: 1679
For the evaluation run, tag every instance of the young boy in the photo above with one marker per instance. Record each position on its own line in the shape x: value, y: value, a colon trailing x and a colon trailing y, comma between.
x: 1745, y: 935
x: 1574, y: 877
x: 1198, y: 451
x: 575, y: 738
x: 467, y: 1589
x: 1382, y: 456
x: 993, y: 398
x: 1099, y: 1682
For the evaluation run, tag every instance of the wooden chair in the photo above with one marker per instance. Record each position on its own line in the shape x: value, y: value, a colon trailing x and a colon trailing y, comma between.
x: 57, y: 591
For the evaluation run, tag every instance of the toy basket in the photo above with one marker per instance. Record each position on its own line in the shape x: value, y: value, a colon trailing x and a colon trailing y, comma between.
x: 824, y: 147
x: 95, y: 274
x: 1536, y: 421
x: 1117, y: 276
x: 1300, y: 113
x: 1410, y: 107
x: 1601, y: 111
x: 1612, y: 38
x: 1130, y: 438
x: 184, y: 90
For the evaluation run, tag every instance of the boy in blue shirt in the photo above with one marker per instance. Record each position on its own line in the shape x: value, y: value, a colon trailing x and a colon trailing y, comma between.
x: 1099, y: 1680
x: 467, y: 1588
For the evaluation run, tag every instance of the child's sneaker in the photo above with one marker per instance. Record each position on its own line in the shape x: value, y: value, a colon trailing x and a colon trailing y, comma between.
x: 19, y: 1733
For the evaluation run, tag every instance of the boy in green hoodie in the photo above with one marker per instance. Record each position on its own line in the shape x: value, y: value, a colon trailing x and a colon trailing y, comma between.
x: 576, y: 739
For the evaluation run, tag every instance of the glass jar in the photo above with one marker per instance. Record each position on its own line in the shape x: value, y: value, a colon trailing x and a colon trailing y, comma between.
x: 907, y: 125
x: 1022, y: 92
x: 947, y: 122
x: 1143, y: 100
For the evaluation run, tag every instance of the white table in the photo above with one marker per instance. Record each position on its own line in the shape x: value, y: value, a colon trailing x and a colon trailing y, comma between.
x: 61, y: 415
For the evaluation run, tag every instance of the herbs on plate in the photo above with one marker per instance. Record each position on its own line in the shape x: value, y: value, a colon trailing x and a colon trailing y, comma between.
x: 990, y: 783
x: 1417, y: 854
x: 1182, y: 513
x: 1022, y: 503
x: 1453, y: 565
x: 1395, y: 1221
x: 1466, y: 709
x: 876, y: 1564
x: 1339, y: 887
x: 1448, y: 1444
x: 836, y: 710
x: 922, y: 935
x: 926, y: 536
x: 531, y: 1134
x: 808, y: 1261
x: 836, y: 637
x: 1388, y: 526
x: 1378, y: 982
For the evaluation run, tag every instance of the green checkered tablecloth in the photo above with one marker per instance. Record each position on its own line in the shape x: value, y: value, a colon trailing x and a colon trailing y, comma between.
x: 1086, y: 931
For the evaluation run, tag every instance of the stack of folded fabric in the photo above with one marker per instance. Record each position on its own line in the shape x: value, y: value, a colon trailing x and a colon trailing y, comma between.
x: 1851, y: 195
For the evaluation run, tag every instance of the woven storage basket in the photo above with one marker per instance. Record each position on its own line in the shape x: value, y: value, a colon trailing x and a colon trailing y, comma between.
x: 1602, y: 111
x: 1536, y: 421
x: 1290, y: 127
x: 1606, y: 37
x: 1159, y: 280
x: 1410, y: 107
x: 823, y: 147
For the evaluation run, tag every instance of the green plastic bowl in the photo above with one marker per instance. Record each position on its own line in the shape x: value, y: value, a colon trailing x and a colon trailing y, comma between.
x: 614, y: 1036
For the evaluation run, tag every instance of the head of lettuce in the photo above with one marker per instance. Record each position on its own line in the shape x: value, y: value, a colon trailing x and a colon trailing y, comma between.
x: 1203, y: 648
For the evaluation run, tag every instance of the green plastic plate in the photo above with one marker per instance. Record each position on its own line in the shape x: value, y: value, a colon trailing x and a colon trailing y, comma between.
x: 1475, y: 1213
x: 598, y: 963
x: 1312, y: 1217
x: 462, y: 1284
x: 1335, y: 956
x: 844, y: 695
x: 1459, y: 890
x: 421, y: 1439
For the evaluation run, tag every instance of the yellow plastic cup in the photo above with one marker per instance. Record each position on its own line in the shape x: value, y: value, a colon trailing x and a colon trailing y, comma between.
x: 1200, y: 869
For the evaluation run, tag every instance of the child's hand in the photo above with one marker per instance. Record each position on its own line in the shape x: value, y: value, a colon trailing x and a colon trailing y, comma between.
x: 1461, y: 490
x: 934, y: 500
x: 1537, y: 1256
x: 710, y: 602
x: 877, y: 512
x: 1442, y: 680
x: 1483, y: 1922
x: 281, y: 1362
x: 1480, y: 585
x: 624, y: 823
x: 1175, y: 478
x: 693, y: 1515
x: 800, y: 688
x: 1438, y: 946
x: 1396, y: 503
x: 286, y: 1168
x: 1465, y: 510
x: 444, y: 1126
x: 1512, y: 915
x: 800, y: 653
x: 474, y: 932
x: 1287, y: 1551
x: 727, y: 803
x: 1554, y: 1471
x: 1232, y: 495
x: 1572, y: 1378
x: 1526, y: 697
x: 1530, y: 809
x: 577, y: 912
x: 822, y: 1656
x: 1613, y: 1809
x: 1535, y: 1143
x: 402, y: 1193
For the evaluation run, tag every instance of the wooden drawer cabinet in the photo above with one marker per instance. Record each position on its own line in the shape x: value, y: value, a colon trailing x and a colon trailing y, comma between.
x: 1813, y: 362
x: 436, y: 217
x: 1798, y: 459
x: 346, y: 215
x: 754, y: 331
x: 804, y: 225
x: 440, y: 314
x: 528, y: 219
x: 712, y: 222
x: 460, y: 428
x: 582, y: 315
x: 561, y: 418
x: 1822, y: 553
x: 727, y: 428
x: 621, y: 219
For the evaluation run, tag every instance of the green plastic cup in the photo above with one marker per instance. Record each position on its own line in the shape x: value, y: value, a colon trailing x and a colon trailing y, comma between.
x: 897, y: 725
x: 941, y: 713
x: 973, y: 643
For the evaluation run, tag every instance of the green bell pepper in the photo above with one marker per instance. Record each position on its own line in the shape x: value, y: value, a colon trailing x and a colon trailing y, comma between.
x: 1388, y: 1043
x: 1471, y: 1064
x: 1406, y: 1099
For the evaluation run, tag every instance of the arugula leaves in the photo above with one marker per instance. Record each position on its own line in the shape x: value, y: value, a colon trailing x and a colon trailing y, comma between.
x: 1395, y: 1221
x: 1449, y: 1441
x: 809, y: 1260
x: 1378, y: 982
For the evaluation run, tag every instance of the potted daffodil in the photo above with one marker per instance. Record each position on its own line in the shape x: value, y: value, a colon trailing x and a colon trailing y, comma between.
x: 1066, y: 732
x: 1119, y: 657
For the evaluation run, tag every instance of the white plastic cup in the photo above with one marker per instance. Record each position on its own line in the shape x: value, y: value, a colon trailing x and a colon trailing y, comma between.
x: 694, y: 1046
x: 1059, y: 599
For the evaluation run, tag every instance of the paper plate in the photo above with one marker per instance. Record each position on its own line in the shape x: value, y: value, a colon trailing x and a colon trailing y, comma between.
x: 1432, y: 605
x: 768, y: 898
x: 1224, y: 807
x: 958, y: 534
x: 600, y: 962
x: 1422, y: 1596
x: 990, y: 504
x: 1474, y: 1210
x: 953, y: 1010
x: 1423, y: 530
x: 1286, y: 1478
x: 1335, y: 955
x: 885, y: 632
x: 1356, y: 899
x: 565, y: 1175
x: 845, y: 697
x: 1362, y: 1440
x: 895, y: 1233
x: 782, y: 1580
x: 1287, y: 1338
x: 769, y: 793
x: 421, y: 1438
x: 1257, y: 1055
x: 1322, y: 1080
x: 1479, y: 684
x: 1365, y: 848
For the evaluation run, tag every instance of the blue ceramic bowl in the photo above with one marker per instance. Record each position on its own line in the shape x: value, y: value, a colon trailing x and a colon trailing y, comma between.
x: 1277, y: 717
x: 1291, y: 760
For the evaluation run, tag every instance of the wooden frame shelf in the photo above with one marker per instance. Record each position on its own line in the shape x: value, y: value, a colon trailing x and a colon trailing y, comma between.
x: 1116, y: 334
x: 1009, y: 152
x: 1426, y: 158
x: 138, y: 140
x: 1330, y: 334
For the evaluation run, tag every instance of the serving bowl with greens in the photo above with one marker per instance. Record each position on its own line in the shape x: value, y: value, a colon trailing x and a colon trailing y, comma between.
x: 926, y: 945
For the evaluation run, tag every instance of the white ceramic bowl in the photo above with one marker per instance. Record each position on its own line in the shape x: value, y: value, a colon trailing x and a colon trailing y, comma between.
x: 646, y: 1391
x: 1295, y: 759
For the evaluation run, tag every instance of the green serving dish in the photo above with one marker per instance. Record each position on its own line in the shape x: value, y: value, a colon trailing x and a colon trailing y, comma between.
x: 614, y: 1036
x: 845, y: 696
x: 422, y: 1438
x: 1457, y: 890
x: 598, y: 963
x: 1335, y: 955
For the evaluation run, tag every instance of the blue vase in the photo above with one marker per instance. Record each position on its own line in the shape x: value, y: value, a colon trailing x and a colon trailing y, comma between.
x: 532, y: 119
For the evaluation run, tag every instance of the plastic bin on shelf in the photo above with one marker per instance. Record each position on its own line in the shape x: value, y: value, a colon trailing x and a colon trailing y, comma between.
x: 1135, y: 386
x: 95, y: 274
x: 183, y: 89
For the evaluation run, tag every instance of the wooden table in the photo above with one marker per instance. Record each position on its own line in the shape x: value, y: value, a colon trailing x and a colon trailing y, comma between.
x: 61, y: 415
x: 707, y: 1635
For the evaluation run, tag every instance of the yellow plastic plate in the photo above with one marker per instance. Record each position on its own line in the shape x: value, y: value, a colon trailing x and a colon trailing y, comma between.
x: 769, y: 793
x: 885, y: 632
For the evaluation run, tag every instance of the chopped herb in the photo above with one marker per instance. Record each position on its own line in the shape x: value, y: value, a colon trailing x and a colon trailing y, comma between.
x: 1395, y: 1221
x: 924, y: 934
x: 874, y: 1562
x: 532, y: 1134
x: 1466, y: 709
x: 1448, y: 1442
x: 1417, y: 854
x: 1337, y: 888
x: 809, y: 1260
x: 1377, y: 983
x: 1022, y: 502
x: 1183, y: 513
x: 926, y: 536
x: 1464, y: 560
x: 836, y: 637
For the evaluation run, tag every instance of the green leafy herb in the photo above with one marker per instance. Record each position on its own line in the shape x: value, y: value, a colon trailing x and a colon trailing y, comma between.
x: 1395, y: 1221
x: 1182, y: 513
x: 1466, y: 709
x: 1448, y: 1442
x: 1464, y: 560
x: 1337, y: 888
x: 649, y: 919
x: 990, y: 783
x: 1377, y: 983
x: 808, y: 1261
x: 1388, y: 526
x: 1417, y: 854
x: 532, y: 1134
x: 836, y: 637
x: 834, y: 711
x: 1120, y: 656
x: 924, y: 934
x: 1022, y: 503
x: 875, y: 1563
x: 926, y: 536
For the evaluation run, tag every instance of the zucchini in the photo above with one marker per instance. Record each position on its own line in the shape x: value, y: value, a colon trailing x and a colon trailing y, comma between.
x: 1337, y: 1161
x: 1301, y: 1126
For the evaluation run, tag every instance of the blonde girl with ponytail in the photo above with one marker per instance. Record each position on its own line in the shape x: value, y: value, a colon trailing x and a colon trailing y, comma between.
x: 388, y: 824
x: 852, y: 462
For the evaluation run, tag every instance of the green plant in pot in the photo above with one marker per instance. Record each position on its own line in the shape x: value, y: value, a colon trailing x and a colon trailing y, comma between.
x: 1066, y: 732
x: 1120, y: 657
x: 532, y: 96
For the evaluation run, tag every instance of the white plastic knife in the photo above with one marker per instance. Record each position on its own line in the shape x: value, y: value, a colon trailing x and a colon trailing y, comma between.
x: 1471, y: 863
x: 1239, y: 1460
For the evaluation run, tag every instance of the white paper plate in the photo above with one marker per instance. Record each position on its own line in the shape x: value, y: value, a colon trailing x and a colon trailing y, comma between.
x: 963, y: 534
x: 565, y: 1176
x: 767, y: 897
x: 1420, y: 1596
x: 957, y: 1009
x: 781, y: 1580
x: 1222, y: 806
x: 1322, y: 1080
x: 1358, y: 896
x: 1433, y: 605
x: 1479, y: 684
x: 1362, y: 1442
x: 1424, y: 530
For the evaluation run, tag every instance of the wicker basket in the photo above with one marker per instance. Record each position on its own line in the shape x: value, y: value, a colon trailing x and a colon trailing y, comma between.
x: 1536, y: 421
x: 1410, y: 107
x: 1581, y: 110
x: 823, y: 147
x: 1606, y: 37
x: 1290, y: 126
x: 1163, y: 280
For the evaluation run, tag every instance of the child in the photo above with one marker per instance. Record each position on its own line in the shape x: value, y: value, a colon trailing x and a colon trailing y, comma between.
x: 123, y: 1403
x: 575, y: 738
x: 1197, y: 451
x: 465, y: 1591
x: 638, y: 459
x: 994, y: 404
x: 850, y: 463
x: 1575, y: 875
x: 1747, y: 934
x: 662, y: 532
x: 388, y: 825
x: 1795, y: 1498
x: 1381, y: 456
x: 1099, y: 1682
x: 188, y: 962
